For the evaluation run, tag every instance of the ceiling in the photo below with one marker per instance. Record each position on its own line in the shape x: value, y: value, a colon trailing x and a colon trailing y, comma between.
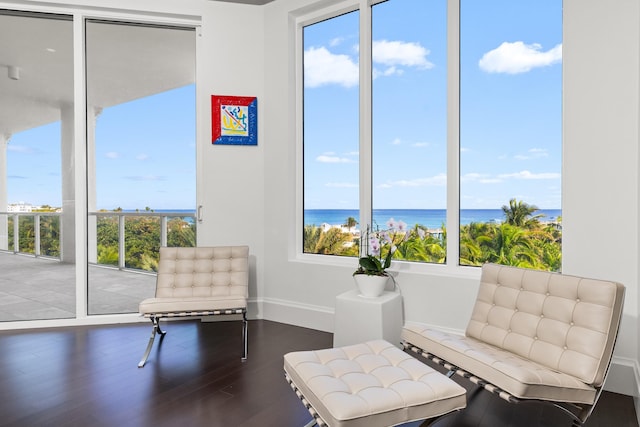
x: 124, y: 62
x: 255, y: 2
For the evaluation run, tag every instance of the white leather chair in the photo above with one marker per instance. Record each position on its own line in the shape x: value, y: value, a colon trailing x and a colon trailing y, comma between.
x: 196, y: 282
x: 533, y: 335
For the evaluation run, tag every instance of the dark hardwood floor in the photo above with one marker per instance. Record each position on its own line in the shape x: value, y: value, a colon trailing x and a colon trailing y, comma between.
x: 88, y: 376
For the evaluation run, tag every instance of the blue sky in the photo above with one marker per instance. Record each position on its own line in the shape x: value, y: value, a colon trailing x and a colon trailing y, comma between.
x: 510, y: 118
x: 145, y: 156
x: 511, y: 68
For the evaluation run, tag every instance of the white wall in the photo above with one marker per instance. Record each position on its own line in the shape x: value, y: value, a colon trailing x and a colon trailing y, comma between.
x: 600, y: 174
x: 231, y: 190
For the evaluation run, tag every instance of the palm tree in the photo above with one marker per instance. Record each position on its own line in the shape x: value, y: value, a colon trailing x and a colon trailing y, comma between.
x: 331, y: 242
x: 310, y: 238
x: 351, y: 222
x: 519, y: 213
x: 512, y: 245
x: 472, y: 237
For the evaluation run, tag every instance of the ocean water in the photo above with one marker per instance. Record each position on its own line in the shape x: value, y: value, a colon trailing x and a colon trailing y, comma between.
x: 431, y: 218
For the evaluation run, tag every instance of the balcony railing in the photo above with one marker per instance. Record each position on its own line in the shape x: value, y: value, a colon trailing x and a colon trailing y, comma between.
x: 126, y: 240
x: 38, y: 233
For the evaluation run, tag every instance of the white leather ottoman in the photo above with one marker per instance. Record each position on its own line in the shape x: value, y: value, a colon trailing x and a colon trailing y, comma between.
x: 370, y: 384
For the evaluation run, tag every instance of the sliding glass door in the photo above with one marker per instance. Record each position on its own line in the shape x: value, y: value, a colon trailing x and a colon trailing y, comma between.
x: 37, y: 197
x: 141, y: 156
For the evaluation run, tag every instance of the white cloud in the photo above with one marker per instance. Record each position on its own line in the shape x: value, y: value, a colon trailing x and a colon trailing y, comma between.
x: 143, y: 156
x: 322, y: 67
x: 112, y: 155
x: 517, y: 57
x: 488, y: 179
x: 324, y: 158
x: 433, y: 181
x: 534, y: 153
x: 479, y: 177
x: 145, y: 178
x: 398, y: 141
x: 341, y: 185
x: 20, y: 149
x: 394, y: 53
x: 336, y: 41
x: 528, y: 175
x: 390, y: 71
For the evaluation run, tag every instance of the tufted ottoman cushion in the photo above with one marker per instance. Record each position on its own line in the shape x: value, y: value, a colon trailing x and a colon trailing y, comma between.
x: 370, y: 384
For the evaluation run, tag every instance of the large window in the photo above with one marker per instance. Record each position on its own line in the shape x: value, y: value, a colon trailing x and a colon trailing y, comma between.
x: 37, y: 206
x: 464, y: 124
x: 331, y: 135
x: 409, y: 121
x: 510, y: 132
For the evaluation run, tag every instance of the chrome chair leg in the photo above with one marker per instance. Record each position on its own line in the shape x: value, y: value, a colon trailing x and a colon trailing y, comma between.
x: 156, y: 329
x: 245, y: 325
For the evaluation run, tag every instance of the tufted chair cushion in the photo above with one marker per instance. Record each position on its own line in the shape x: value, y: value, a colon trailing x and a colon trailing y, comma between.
x: 565, y: 323
x: 200, y: 279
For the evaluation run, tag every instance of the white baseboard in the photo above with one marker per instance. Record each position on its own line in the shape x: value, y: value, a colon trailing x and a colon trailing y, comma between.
x: 292, y: 313
x: 624, y: 376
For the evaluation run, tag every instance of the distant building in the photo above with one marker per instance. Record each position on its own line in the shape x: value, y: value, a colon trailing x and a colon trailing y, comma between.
x: 19, y: 207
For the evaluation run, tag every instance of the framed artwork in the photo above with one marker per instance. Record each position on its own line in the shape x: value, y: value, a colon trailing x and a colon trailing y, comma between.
x: 234, y: 120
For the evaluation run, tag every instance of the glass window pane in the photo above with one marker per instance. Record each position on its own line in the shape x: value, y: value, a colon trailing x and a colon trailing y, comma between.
x: 510, y: 132
x: 37, y: 202
x: 331, y: 147
x: 141, y: 156
x: 410, y: 123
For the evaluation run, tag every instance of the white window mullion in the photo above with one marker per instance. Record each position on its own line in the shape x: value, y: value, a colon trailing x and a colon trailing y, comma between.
x: 366, y: 148
x: 453, y: 133
x: 80, y: 155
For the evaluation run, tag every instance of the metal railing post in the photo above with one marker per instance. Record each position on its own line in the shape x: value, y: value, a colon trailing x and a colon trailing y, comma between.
x: 163, y: 230
x: 36, y: 232
x: 16, y: 233
x: 121, y: 251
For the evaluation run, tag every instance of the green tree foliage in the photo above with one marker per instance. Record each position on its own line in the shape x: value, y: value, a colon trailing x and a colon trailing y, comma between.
x: 181, y: 233
x: 351, y: 222
x: 522, y: 240
x: 141, y: 234
x: 142, y: 237
x: 520, y: 214
x: 50, y: 236
x: 331, y: 242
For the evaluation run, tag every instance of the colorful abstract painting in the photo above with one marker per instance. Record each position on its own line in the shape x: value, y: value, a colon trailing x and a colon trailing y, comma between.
x: 234, y: 120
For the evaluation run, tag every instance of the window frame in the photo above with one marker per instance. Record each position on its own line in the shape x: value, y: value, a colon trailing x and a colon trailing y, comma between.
x: 365, y: 143
x: 451, y: 267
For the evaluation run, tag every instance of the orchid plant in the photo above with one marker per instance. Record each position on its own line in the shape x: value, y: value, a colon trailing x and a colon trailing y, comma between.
x: 379, y: 247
